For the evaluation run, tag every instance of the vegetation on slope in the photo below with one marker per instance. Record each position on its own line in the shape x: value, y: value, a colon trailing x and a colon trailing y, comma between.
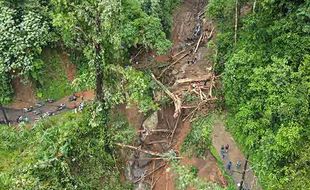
x: 29, y: 26
x: 63, y: 152
x: 266, y: 79
x: 199, y: 138
x: 76, y: 151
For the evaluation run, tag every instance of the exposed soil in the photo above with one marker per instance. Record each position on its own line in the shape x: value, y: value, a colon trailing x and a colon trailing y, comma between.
x: 24, y: 95
x: 186, y: 19
x: 69, y: 67
x: 134, y: 117
x: 24, y: 90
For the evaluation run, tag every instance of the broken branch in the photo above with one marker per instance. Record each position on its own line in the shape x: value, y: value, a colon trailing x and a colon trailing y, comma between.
x: 177, y: 54
x: 156, y: 142
x: 153, y: 185
x: 155, y: 130
x: 210, y: 35
x: 189, y: 80
x: 198, y: 106
x: 175, y: 127
x: 211, y: 87
x: 198, y: 43
x: 175, y: 62
x: 143, y: 177
x: 140, y: 150
x: 177, y: 101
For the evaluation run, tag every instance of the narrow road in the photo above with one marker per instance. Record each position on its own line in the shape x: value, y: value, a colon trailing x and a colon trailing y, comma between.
x: 13, y: 113
x: 221, y: 137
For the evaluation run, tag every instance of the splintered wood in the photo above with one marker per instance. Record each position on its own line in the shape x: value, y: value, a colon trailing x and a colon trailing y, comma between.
x: 177, y: 101
x: 196, y: 79
x: 195, y: 83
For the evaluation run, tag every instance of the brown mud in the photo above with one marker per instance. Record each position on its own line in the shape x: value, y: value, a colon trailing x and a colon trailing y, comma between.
x: 186, y: 19
x: 24, y: 93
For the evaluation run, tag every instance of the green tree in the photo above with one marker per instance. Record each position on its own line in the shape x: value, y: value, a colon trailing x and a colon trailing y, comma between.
x: 21, y: 39
x: 267, y: 87
x: 93, y: 27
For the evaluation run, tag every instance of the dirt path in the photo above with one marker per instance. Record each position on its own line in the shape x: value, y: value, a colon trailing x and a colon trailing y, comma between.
x: 221, y: 137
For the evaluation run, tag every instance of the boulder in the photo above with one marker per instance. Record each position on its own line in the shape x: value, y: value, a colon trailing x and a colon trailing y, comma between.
x: 151, y: 122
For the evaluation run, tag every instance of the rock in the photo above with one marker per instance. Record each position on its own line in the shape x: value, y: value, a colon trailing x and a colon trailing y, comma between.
x: 143, y: 160
x: 151, y: 122
x: 174, y: 72
x: 137, y: 172
x: 141, y: 186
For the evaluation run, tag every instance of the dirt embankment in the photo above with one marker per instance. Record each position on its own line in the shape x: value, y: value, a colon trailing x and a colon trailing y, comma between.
x: 25, y: 95
x: 188, y: 62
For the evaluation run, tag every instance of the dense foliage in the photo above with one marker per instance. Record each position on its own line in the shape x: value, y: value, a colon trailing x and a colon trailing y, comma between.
x: 198, y: 141
x: 65, y: 152
x: 23, y: 33
x: 76, y: 151
x: 187, y: 177
x: 117, y: 27
x: 267, y: 85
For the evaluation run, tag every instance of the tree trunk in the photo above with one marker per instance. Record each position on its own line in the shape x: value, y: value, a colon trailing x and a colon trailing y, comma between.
x: 254, y: 6
x: 4, y: 114
x: 236, y: 22
x: 99, y: 75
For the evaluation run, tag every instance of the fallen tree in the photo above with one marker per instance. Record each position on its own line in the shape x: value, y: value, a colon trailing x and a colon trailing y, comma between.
x: 177, y: 101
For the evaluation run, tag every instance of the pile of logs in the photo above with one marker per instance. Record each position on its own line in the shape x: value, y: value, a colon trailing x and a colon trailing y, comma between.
x: 201, y: 87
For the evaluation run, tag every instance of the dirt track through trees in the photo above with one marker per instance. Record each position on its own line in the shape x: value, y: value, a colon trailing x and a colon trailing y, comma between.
x: 221, y: 137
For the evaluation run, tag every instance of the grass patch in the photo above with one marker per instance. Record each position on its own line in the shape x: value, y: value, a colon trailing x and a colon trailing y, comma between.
x: 199, y: 139
x: 53, y: 81
x: 187, y: 176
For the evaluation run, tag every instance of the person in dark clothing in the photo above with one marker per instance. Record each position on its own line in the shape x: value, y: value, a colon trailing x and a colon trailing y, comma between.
x: 238, y: 165
x: 229, y: 165
x: 72, y: 98
x: 222, y: 151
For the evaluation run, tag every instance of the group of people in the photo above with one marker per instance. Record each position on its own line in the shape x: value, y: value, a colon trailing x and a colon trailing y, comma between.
x: 224, y: 154
x: 37, y: 111
x: 229, y: 166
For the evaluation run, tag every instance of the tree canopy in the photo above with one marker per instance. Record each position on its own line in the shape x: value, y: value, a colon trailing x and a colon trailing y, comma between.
x: 266, y: 83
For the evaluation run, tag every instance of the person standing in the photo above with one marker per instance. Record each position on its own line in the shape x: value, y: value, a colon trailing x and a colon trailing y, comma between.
x: 226, y: 148
x: 229, y: 165
x: 223, y: 151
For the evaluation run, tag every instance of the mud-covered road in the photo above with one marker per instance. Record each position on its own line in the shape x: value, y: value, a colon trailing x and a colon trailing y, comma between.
x: 13, y: 113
